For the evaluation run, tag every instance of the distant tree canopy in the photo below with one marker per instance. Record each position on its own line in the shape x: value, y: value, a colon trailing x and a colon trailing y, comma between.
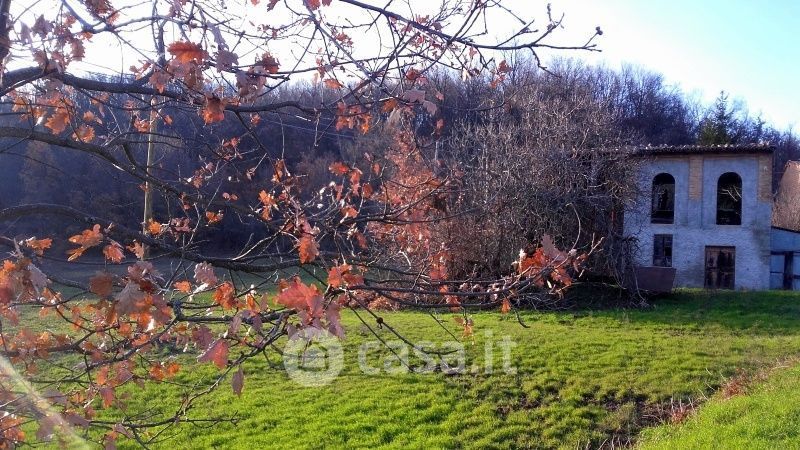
x: 638, y: 106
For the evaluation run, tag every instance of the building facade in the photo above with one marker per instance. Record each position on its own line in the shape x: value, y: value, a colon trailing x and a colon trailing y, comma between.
x: 785, y: 262
x: 705, y: 211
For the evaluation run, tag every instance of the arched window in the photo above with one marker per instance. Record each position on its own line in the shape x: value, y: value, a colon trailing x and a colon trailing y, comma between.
x: 729, y: 199
x: 663, y: 206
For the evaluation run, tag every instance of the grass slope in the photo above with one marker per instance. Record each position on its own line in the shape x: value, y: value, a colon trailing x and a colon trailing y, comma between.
x: 766, y: 417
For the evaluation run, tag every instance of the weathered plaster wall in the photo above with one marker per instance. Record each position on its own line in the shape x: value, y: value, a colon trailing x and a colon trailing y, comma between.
x: 695, y: 226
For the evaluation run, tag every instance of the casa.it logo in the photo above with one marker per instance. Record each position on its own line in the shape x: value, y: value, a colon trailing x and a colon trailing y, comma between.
x: 313, y: 357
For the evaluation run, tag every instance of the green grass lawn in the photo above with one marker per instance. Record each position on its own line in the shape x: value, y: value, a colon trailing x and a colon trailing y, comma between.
x: 583, y: 378
x: 766, y: 416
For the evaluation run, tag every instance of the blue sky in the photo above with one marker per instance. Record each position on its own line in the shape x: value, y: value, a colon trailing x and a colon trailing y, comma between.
x: 750, y: 49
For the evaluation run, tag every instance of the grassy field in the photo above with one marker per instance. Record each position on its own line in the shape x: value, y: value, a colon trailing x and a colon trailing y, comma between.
x: 582, y: 378
x: 766, y: 415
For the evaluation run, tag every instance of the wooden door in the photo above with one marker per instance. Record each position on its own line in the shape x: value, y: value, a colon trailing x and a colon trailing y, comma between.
x: 720, y: 267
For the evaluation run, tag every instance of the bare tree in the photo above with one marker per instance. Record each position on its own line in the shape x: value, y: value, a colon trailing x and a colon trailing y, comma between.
x: 374, y: 230
x: 550, y: 159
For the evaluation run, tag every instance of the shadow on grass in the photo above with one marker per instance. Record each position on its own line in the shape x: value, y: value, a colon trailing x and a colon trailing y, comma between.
x: 761, y: 313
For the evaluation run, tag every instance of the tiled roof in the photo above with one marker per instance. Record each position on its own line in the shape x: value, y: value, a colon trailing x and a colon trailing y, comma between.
x: 704, y: 149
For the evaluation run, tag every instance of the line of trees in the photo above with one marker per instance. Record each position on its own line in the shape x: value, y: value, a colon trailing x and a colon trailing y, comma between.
x: 532, y: 151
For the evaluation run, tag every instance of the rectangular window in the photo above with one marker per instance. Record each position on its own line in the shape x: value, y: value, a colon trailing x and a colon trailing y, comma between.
x: 720, y: 267
x: 662, y: 250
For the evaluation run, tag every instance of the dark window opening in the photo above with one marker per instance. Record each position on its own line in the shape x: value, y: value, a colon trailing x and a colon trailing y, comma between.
x: 662, y: 250
x: 663, y: 201
x: 788, y: 271
x: 720, y: 267
x: 729, y: 199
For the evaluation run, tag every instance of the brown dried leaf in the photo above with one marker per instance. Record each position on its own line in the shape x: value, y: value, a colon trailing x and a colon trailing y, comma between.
x: 237, y: 381
x: 102, y: 284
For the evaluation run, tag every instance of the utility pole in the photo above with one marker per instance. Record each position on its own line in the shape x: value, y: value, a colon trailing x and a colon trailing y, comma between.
x: 151, y: 146
x: 148, y: 188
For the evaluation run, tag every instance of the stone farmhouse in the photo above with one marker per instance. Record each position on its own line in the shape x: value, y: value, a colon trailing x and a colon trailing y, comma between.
x: 705, y: 220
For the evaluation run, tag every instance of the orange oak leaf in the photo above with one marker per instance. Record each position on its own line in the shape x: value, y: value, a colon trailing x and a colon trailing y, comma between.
x: 183, y: 286
x: 141, y: 125
x: 389, y: 105
x: 467, y: 324
x: 309, y: 249
x: 185, y: 52
x: 332, y: 83
x: 336, y: 274
x: 339, y: 168
x: 216, y: 353
x: 172, y: 369
x: 269, y: 203
x: 269, y: 62
x: 107, y: 396
x: 157, y: 372
x: 87, y: 239
x: 531, y: 265
x: 214, y: 111
x: 266, y: 199
x: 58, y: 121
x: 153, y: 227
x: 90, y: 117
x: 297, y: 295
x: 367, y: 191
x: 349, y: 212
x: 225, y: 295
x: 84, y: 133
x: 353, y: 279
x: 38, y: 245
x: 213, y: 217
x: 113, y: 252
x: 506, y: 306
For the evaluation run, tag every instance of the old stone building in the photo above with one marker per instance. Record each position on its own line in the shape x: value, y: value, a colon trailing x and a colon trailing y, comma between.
x: 706, y: 213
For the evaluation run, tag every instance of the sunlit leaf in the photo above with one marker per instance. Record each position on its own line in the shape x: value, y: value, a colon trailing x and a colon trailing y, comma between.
x: 216, y: 353
x: 185, y: 52
x: 183, y: 286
